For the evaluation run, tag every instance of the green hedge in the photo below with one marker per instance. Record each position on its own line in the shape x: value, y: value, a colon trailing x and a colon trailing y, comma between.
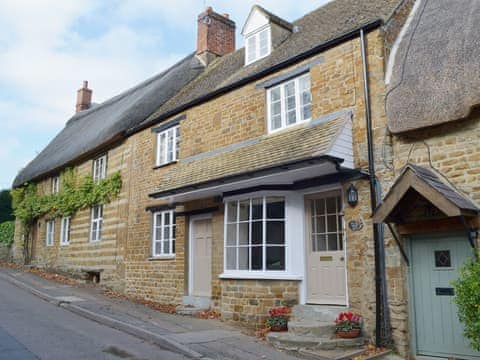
x: 7, y: 230
x: 467, y: 298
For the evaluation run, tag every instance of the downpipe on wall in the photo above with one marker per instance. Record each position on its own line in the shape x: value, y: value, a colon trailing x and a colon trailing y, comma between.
x: 382, y: 328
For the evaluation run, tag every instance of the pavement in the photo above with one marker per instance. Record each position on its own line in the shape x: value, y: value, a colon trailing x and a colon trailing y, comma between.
x: 182, y: 335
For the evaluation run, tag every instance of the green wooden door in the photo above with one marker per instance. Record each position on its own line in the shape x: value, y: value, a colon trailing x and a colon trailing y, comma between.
x: 435, y: 261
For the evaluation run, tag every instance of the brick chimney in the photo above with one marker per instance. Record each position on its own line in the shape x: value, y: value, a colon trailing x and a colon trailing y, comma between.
x: 216, y: 35
x: 84, y: 98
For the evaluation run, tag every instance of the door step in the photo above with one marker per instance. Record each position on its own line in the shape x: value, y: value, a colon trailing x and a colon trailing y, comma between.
x: 192, y: 305
x: 292, y: 342
x: 337, y: 354
x: 320, y: 313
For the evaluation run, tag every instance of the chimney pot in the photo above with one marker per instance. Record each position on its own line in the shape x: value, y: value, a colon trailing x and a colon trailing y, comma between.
x: 84, y: 98
x: 216, y: 37
x: 225, y: 15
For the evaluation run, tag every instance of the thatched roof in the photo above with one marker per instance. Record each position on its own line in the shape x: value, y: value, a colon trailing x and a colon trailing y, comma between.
x: 436, y: 77
x: 90, y: 129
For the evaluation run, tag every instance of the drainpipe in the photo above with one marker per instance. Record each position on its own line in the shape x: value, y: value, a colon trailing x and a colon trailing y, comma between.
x: 381, y: 303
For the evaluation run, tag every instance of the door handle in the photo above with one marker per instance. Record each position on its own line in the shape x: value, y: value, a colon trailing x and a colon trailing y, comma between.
x: 342, y: 258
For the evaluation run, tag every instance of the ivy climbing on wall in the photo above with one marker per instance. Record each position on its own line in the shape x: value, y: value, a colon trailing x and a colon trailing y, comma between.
x: 75, y: 194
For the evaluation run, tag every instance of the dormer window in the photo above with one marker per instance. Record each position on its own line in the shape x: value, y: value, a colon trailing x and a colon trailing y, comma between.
x: 263, y: 31
x: 258, y: 45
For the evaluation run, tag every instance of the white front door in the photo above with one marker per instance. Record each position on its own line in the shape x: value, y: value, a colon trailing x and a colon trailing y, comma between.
x: 201, y: 248
x: 326, y: 273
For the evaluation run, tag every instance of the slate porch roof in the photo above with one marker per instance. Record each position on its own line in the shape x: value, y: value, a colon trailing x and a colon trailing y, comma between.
x: 429, y: 185
x: 435, y: 77
x: 314, y: 141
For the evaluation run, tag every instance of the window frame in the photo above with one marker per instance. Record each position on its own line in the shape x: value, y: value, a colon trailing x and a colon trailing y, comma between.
x: 99, y: 221
x: 65, y: 233
x: 298, y: 103
x: 172, y: 234
x: 55, y: 184
x: 264, y: 272
x: 162, y: 159
x: 50, y: 232
x: 103, y: 169
x: 256, y: 35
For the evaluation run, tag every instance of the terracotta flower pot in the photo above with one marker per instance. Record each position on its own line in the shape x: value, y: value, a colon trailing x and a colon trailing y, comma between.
x: 348, y: 334
x: 278, y: 328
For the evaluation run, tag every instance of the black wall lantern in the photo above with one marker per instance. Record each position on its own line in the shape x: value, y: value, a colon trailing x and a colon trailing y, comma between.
x: 352, y: 195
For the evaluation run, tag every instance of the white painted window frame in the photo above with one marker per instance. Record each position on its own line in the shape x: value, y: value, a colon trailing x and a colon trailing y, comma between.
x: 255, y: 273
x: 55, y: 184
x: 298, y: 106
x: 97, y: 236
x: 162, y: 156
x: 256, y: 35
x: 65, y: 231
x: 160, y: 242
x: 100, y: 168
x: 49, y: 232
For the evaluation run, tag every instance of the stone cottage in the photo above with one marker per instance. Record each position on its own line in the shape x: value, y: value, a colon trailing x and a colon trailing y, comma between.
x: 250, y: 176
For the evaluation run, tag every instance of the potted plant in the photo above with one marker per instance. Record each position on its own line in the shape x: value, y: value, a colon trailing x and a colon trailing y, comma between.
x: 348, y: 325
x: 278, y: 319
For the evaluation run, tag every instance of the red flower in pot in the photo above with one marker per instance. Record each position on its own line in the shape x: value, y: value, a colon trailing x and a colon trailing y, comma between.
x: 348, y: 325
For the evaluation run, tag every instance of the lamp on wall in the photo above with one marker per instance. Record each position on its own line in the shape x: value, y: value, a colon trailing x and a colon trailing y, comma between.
x: 352, y: 195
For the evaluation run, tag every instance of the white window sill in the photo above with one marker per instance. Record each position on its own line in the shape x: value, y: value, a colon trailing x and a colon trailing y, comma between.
x: 158, y: 166
x: 64, y: 244
x: 260, y: 276
x: 162, y: 257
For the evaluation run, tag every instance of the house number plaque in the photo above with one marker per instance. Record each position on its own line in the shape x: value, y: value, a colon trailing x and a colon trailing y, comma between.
x: 326, y: 258
x: 355, y: 225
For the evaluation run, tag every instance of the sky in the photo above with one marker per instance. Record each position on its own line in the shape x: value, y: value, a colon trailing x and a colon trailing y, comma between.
x: 48, y: 47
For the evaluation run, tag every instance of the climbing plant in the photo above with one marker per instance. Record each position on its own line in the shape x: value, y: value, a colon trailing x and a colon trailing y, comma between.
x: 75, y: 194
x: 6, y: 232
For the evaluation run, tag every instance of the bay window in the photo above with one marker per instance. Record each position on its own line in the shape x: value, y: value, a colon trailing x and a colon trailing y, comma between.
x: 255, y: 234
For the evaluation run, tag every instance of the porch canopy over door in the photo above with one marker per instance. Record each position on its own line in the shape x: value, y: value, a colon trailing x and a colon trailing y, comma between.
x: 419, y: 201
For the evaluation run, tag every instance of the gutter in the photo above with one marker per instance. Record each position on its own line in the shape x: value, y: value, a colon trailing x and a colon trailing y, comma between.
x: 382, y: 329
x: 275, y: 68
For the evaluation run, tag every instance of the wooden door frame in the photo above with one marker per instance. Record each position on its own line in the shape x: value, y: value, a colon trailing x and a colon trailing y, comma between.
x: 191, y: 235
x: 412, y: 320
x: 320, y: 195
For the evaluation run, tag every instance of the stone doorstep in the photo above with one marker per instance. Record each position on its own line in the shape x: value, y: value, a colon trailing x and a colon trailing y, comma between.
x: 189, y: 310
x: 320, y: 313
x: 197, y: 301
x: 292, y: 342
x: 313, y: 328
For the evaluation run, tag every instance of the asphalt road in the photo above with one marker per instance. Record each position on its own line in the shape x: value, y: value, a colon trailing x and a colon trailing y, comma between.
x: 31, y: 328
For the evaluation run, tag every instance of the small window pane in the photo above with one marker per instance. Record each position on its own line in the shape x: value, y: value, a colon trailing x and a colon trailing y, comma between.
x: 244, y: 210
x: 243, y: 258
x: 275, y: 232
x: 290, y: 89
x: 332, y: 223
x: 257, y: 209
x: 276, y: 258
x: 321, y: 242
x: 320, y: 226
x: 263, y: 43
x: 166, y: 247
x: 276, y: 122
x: 275, y: 208
x: 166, y: 218
x: 232, y: 211
x: 231, y: 258
x: 251, y: 49
x: 442, y: 258
x: 257, y: 232
x: 158, y: 248
x: 257, y: 255
x: 332, y: 205
x: 231, y: 234
x: 320, y: 206
x: 243, y: 233
x: 332, y: 242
